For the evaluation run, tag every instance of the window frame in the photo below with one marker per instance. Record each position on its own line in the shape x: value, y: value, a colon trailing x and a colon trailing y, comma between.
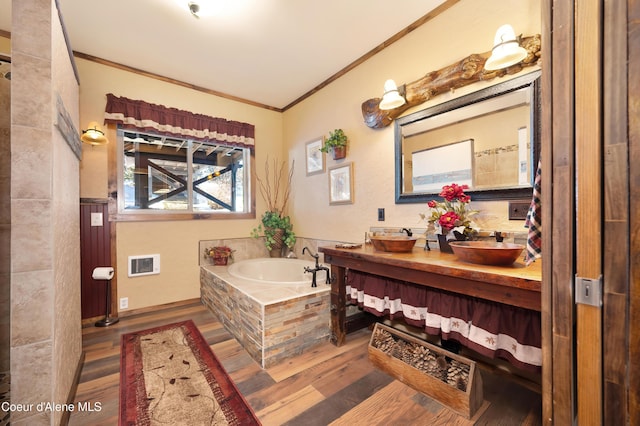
x: 116, y: 186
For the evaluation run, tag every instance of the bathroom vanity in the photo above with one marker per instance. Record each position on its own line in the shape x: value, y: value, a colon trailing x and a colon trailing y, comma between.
x: 501, y: 286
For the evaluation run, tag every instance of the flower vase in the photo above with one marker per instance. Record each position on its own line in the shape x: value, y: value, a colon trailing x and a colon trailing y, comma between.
x: 444, y: 244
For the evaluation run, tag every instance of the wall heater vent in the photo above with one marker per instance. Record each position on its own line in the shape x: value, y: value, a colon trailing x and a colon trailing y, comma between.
x: 147, y: 264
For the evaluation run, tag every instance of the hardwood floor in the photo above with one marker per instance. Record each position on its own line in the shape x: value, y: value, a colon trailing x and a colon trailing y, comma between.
x: 328, y: 386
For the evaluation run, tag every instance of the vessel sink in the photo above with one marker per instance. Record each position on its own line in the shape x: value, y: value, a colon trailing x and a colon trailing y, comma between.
x: 393, y: 243
x: 486, y: 252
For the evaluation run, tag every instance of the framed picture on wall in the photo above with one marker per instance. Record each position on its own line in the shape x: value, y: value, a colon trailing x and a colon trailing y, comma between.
x: 314, y: 158
x: 341, y: 184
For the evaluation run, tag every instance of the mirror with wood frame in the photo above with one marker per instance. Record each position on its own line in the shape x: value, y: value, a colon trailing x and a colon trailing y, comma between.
x: 489, y: 140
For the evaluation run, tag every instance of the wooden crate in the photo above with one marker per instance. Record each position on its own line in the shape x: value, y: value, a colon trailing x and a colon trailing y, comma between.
x: 450, y: 379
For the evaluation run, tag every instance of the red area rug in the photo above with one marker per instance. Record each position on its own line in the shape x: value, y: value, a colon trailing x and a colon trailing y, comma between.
x: 169, y: 375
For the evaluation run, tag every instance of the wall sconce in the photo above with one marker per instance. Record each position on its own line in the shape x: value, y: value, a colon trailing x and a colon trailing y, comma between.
x: 392, y: 97
x: 93, y: 135
x: 506, y: 49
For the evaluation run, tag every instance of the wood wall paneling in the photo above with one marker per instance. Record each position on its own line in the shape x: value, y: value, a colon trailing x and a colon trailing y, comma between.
x: 558, y: 225
x: 546, y: 138
x: 95, y: 251
x: 616, y: 217
x: 633, y: 104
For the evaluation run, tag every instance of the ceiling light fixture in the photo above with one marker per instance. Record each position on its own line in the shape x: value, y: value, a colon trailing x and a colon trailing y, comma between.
x: 506, y: 49
x: 93, y: 135
x: 392, y: 97
x: 194, y: 8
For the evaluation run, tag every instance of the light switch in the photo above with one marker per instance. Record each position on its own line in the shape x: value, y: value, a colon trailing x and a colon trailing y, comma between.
x: 96, y: 219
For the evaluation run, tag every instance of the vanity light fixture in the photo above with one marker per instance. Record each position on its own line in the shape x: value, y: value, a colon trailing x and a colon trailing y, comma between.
x: 392, y: 97
x: 506, y: 49
x: 93, y: 135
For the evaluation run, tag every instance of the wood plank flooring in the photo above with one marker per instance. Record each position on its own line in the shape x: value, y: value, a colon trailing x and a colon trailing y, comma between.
x: 327, y: 386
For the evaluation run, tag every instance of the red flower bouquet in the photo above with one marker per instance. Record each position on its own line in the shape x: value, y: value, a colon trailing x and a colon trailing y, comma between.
x: 451, y: 215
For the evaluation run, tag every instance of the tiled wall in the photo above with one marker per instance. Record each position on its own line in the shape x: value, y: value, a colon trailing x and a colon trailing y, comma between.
x: 46, y: 335
x: 252, y: 248
x: 5, y: 213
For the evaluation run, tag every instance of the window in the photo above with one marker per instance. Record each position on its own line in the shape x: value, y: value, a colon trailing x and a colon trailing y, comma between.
x: 160, y: 174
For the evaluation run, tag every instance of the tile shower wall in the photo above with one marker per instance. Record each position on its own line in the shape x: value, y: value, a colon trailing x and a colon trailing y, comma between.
x: 5, y: 216
x: 46, y: 334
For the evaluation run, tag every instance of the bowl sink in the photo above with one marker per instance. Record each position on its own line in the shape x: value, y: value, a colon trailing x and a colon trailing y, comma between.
x: 486, y: 252
x: 393, y: 243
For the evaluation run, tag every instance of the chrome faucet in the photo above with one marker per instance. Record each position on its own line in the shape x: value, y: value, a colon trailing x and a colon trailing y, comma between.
x: 316, y: 268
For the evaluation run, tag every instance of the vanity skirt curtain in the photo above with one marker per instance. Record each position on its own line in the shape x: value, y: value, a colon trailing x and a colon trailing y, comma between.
x: 489, y: 328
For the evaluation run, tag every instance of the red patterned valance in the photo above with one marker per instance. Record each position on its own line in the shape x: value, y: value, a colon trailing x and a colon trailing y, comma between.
x: 146, y: 117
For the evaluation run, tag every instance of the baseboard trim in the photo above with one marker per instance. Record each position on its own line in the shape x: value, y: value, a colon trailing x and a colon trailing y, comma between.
x: 147, y: 309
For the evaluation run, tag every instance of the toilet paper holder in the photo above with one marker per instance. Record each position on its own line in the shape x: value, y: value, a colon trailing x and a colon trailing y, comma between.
x: 105, y: 273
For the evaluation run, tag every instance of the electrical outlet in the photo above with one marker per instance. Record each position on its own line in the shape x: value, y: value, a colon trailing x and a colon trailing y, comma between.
x: 124, y: 302
x: 518, y: 210
x: 381, y: 214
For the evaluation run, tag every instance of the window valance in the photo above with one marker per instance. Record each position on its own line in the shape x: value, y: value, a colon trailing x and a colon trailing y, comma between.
x: 159, y: 119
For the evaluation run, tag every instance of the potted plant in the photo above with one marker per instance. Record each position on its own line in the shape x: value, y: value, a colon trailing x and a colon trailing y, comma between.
x: 275, y: 226
x: 337, y: 143
x: 451, y: 219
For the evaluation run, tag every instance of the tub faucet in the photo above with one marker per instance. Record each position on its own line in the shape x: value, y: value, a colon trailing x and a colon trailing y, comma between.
x: 408, y: 231
x: 316, y: 268
x: 315, y: 256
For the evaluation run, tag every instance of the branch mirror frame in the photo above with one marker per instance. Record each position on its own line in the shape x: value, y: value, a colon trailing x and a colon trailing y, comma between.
x: 517, y: 192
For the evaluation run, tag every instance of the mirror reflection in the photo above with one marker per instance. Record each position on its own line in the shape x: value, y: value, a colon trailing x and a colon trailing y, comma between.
x: 487, y: 140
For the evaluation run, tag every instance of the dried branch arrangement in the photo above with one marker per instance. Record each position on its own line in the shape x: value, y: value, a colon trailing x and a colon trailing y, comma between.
x: 271, y: 186
x: 436, y: 365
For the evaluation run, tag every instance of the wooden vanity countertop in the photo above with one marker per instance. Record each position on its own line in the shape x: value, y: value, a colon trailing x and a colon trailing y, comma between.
x: 517, y: 284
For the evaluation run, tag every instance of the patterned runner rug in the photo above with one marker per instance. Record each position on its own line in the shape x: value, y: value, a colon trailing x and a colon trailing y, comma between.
x: 170, y: 376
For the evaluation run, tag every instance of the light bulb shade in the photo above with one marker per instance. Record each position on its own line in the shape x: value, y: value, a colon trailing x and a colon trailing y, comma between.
x: 506, y: 50
x: 93, y: 135
x: 391, y: 98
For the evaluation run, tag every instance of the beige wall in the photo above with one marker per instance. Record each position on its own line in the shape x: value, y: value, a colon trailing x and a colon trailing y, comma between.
x: 176, y: 242
x: 5, y: 46
x: 466, y: 28
x: 46, y: 339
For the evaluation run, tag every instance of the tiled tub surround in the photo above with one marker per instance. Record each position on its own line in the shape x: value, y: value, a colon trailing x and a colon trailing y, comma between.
x: 272, y: 322
x: 251, y: 248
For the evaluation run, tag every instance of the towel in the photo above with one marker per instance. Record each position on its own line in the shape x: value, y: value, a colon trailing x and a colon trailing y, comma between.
x: 534, y: 223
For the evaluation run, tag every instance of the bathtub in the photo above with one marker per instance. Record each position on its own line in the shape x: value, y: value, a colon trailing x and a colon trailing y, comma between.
x: 277, y: 271
x: 269, y: 306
